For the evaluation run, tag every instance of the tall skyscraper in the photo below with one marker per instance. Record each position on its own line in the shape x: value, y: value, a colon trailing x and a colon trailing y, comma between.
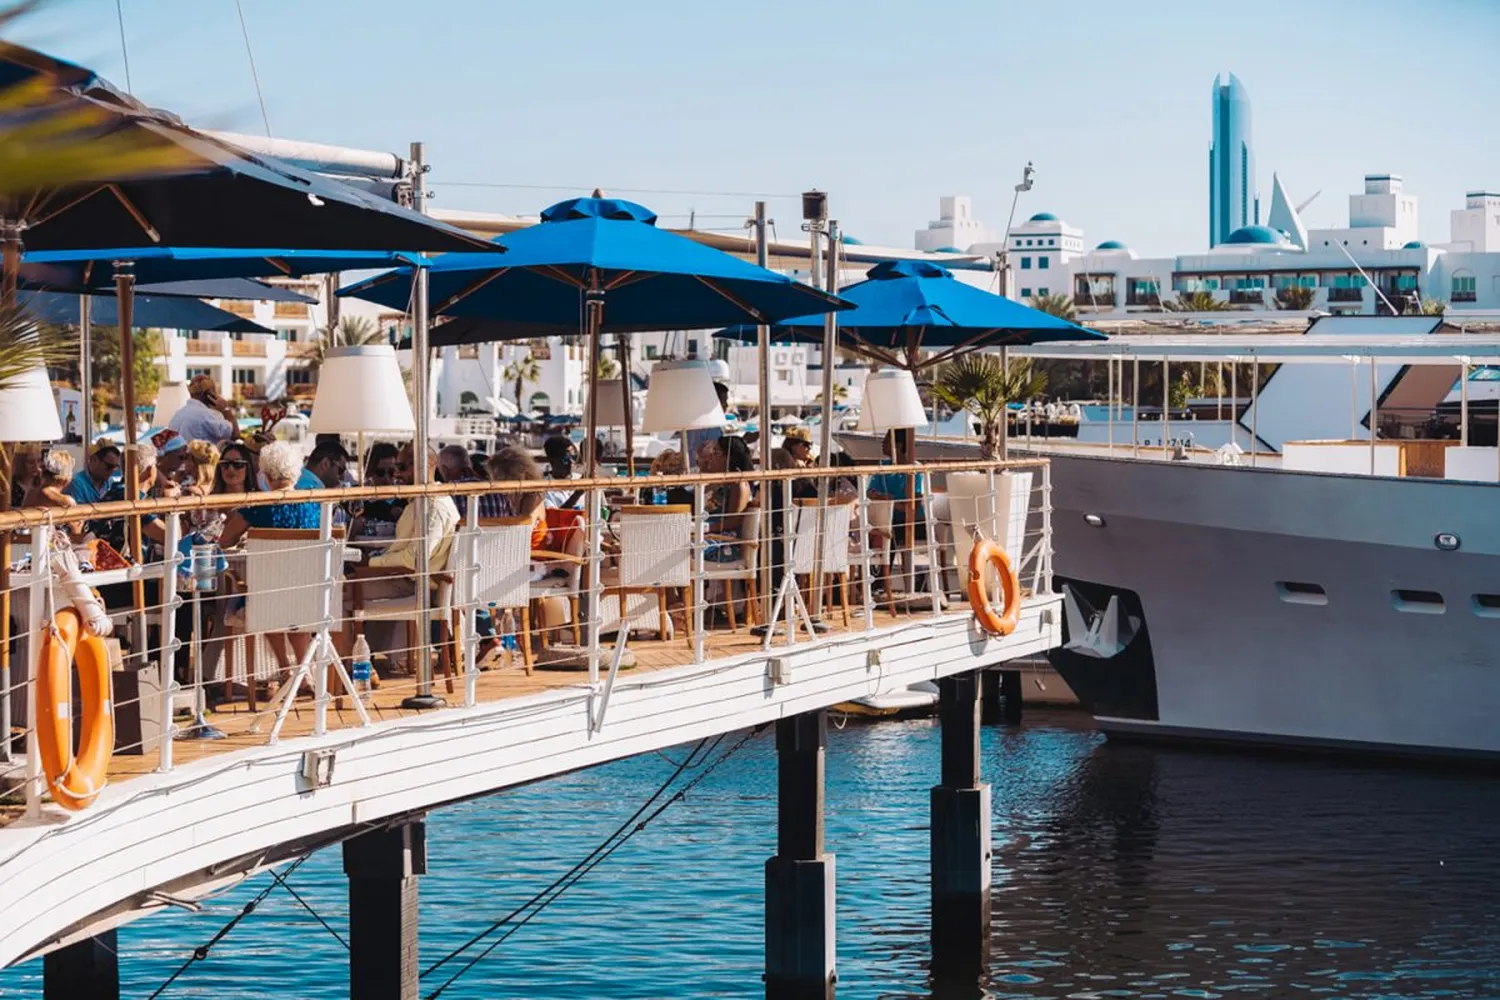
x: 1232, y: 201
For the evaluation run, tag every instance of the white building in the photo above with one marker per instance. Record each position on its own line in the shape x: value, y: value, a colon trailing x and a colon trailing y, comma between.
x: 473, y: 378
x: 955, y: 227
x: 1256, y: 267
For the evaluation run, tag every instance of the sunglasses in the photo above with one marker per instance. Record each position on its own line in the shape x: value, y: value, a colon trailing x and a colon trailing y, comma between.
x: 403, y: 466
x: 235, y: 463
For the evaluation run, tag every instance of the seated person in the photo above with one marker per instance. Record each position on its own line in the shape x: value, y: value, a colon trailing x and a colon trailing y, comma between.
x: 101, y: 470
x: 455, y: 466
x: 514, y: 465
x: 726, y: 502
x: 380, y: 470
x: 26, y: 464
x: 897, y: 486
x: 561, y: 455
x: 281, y: 467
x: 668, y: 463
x: 49, y: 483
x: 796, y: 443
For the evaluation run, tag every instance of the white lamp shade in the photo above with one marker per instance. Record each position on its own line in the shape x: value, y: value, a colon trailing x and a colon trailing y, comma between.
x: 681, y: 398
x: 169, y: 399
x: 360, y: 391
x: 611, y: 411
x: 891, y: 400
x: 28, y: 411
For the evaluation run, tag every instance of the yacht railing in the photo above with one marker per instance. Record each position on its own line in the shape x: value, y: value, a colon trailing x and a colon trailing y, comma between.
x: 228, y: 647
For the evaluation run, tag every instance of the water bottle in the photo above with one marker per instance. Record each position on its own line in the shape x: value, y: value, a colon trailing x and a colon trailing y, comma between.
x: 658, y: 496
x: 508, y: 645
x: 359, y: 671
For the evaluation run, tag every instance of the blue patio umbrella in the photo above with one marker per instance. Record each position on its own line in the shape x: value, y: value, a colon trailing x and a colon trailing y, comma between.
x: 905, y: 307
x: 602, y: 264
x: 169, y: 312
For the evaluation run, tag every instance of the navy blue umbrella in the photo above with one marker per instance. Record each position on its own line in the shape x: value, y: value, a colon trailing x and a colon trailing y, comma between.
x: 598, y: 263
x: 645, y: 278
x: 225, y: 288
x: 93, y: 269
x: 905, y: 307
x: 165, y: 311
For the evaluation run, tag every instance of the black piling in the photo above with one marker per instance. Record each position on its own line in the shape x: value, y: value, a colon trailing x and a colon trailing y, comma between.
x: 992, y: 708
x: 960, y: 837
x: 85, y: 970
x: 383, y: 866
x: 1010, y: 696
x: 800, y: 878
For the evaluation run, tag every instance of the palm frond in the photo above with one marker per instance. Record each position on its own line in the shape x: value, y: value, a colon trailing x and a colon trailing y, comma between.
x: 26, y: 344
x: 1060, y: 306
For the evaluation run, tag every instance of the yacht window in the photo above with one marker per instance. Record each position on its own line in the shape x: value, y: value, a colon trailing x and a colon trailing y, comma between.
x: 1291, y: 592
x: 1487, y: 605
x: 1419, y: 602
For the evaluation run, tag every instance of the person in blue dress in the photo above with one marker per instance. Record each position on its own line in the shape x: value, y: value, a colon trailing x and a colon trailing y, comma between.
x: 281, y: 466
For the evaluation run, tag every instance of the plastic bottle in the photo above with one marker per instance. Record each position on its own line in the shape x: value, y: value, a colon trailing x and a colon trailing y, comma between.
x: 658, y: 496
x: 508, y: 645
x: 359, y: 670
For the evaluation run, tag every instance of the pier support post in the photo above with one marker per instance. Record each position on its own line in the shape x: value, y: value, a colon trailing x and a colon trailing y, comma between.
x: 383, y: 866
x: 799, y: 879
x: 960, y: 837
x: 85, y: 970
x: 1010, y: 696
x: 991, y: 706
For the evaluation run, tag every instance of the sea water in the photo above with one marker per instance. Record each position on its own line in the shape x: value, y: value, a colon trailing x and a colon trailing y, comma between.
x: 1119, y: 871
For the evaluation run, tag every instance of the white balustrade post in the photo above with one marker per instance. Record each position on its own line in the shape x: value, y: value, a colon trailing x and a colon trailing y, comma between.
x: 867, y: 588
x: 323, y: 641
x: 1047, y: 526
x: 595, y: 599
x: 696, y: 588
x: 40, y: 592
x: 934, y: 582
x: 167, y: 654
x: 468, y: 617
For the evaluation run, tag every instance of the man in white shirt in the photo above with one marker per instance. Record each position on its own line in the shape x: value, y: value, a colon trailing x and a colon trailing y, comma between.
x: 206, y: 416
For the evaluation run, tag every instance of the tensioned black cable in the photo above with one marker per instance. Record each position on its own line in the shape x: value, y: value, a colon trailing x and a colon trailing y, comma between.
x: 480, y: 936
x: 281, y: 880
x: 201, y: 952
x: 595, y: 862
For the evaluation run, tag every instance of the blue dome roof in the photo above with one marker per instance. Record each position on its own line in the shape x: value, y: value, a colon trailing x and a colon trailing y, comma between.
x: 947, y: 250
x: 1415, y: 245
x: 1111, y: 245
x: 846, y: 238
x: 1043, y: 217
x: 1256, y: 234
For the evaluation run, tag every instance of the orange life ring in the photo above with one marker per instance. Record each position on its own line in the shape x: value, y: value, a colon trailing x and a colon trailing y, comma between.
x: 985, y: 554
x: 75, y: 781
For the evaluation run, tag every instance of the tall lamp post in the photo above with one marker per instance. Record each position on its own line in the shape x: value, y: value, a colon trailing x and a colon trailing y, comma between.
x: 1003, y: 257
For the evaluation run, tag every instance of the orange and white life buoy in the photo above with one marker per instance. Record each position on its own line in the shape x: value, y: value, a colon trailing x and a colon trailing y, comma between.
x: 74, y: 781
x: 987, y: 554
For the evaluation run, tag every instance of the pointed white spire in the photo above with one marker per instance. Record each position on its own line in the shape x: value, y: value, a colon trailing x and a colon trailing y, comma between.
x: 1283, y: 216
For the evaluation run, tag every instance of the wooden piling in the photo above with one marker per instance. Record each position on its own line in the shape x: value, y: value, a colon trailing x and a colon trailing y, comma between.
x: 383, y: 866
x: 85, y: 970
x: 800, y: 878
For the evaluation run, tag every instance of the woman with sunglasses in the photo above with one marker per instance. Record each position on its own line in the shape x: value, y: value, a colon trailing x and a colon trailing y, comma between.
x: 232, y: 472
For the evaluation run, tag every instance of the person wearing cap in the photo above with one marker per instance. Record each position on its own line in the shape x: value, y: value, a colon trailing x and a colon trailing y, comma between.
x: 206, y: 416
x: 797, y: 444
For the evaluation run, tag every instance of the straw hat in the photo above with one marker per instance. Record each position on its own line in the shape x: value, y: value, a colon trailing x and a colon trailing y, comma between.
x: 797, y: 434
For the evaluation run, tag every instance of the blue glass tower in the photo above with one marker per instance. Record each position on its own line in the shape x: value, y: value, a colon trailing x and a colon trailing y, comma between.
x: 1232, y: 201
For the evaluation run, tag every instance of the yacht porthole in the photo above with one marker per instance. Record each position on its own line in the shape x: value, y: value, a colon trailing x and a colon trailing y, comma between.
x: 1093, y: 520
x: 1446, y: 541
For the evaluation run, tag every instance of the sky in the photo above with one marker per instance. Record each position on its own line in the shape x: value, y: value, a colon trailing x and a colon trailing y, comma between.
x: 701, y: 107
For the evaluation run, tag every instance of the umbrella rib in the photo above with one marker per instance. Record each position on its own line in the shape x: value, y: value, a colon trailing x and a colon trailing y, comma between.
x: 626, y: 278
x: 467, y: 290
x: 558, y: 274
x: 280, y: 265
x: 956, y: 349
x: 85, y: 196
x: 756, y: 313
x: 135, y: 213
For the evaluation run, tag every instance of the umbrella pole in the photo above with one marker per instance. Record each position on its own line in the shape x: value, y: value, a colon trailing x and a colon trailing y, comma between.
x: 421, y: 473
x: 593, y: 317
x: 629, y: 401
x: 10, y: 267
x: 125, y: 305
x: 825, y: 431
x: 762, y: 421
x: 86, y: 368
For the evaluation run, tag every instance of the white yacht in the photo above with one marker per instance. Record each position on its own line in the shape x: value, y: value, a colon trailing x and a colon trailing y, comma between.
x: 1277, y: 577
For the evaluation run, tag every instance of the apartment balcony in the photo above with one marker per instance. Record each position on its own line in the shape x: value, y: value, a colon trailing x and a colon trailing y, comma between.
x: 249, y: 348
x: 203, y: 348
x: 1346, y: 295
x: 246, y: 392
x: 291, y: 310
x: 1152, y: 299
x: 1247, y: 296
x: 301, y: 348
x: 239, y: 307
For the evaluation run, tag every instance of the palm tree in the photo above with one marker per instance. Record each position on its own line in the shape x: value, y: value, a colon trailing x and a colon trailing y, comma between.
x: 350, y: 331
x: 1432, y: 307
x: 1295, y: 297
x: 1060, y: 306
x: 520, y: 371
x: 608, y: 368
x: 984, y: 385
x: 1195, y: 302
x: 840, y: 393
x: 26, y: 344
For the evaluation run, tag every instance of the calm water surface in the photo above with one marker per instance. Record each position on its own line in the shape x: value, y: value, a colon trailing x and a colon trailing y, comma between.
x: 1120, y: 871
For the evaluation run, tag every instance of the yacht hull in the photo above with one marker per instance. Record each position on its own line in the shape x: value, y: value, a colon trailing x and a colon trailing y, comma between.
x: 1224, y: 566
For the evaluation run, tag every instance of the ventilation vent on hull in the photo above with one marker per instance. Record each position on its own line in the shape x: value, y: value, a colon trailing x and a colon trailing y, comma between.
x: 1301, y: 593
x: 1419, y: 602
x: 1487, y: 605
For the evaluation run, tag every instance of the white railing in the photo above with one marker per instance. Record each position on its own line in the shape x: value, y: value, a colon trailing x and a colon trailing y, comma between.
x: 672, y: 570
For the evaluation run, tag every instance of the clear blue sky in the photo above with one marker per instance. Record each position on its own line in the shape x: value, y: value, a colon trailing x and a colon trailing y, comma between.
x: 885, y: 105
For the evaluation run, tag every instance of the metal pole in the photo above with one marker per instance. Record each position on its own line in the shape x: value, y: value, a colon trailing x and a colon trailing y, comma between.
x: 825, y: 431
x: 1234, y: 400
x: 86, y: 369
x: 421, y: 473
x: 125, y: 305
x: 1374, y: 404
x: 622, y: 345
x: 1004, y: 413
x: 1166, y: 407
x: 1463, y: 404
x: 1353, y: 399
x: 593, y: 319
x: 1135, y: 409
x: 763, y: 421
x: 1109, y: 395
x: 1254, y: 411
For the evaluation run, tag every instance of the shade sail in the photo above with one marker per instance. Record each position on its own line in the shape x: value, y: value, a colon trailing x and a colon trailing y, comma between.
x: 650, y: 278
x: 905, y: 307
x: 166, y: 312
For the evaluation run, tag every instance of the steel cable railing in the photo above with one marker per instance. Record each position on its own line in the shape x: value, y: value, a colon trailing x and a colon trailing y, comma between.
x: 641, y: 584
